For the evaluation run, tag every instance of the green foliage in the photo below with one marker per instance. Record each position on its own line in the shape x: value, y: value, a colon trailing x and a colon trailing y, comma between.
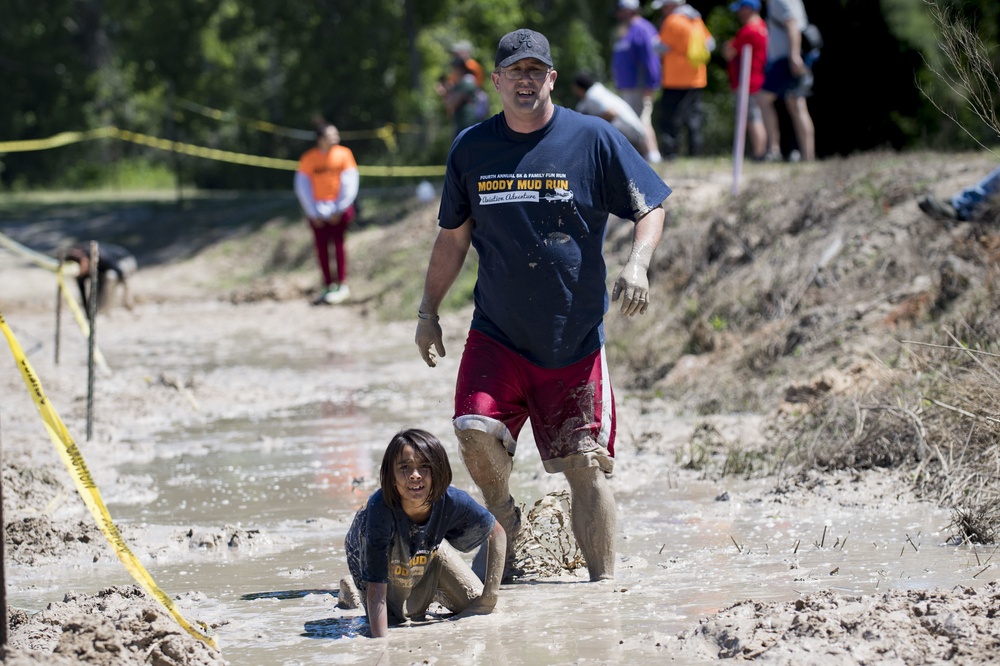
x: 912, y: 22
x: 137, y: 64
x: 909, y: 22
x: 125, y: 174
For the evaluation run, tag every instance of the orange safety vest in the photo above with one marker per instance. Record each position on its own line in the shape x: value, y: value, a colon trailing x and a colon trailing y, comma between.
x: 324, y: 170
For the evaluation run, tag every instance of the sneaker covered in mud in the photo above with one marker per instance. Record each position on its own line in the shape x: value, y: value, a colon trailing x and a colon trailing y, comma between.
x: 349, y: 596
x: 511, y: 573
x: 939, y: 210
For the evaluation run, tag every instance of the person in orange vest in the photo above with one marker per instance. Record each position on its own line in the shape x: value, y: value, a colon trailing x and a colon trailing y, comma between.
x: 326, y: 184
x: 686, y: 45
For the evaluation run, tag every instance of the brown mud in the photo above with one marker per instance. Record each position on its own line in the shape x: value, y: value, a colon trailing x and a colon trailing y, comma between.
x: 818, y: 273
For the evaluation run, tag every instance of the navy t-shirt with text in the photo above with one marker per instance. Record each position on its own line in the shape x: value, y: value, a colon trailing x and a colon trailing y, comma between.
x: 384, y: 546
x: 539, y: 205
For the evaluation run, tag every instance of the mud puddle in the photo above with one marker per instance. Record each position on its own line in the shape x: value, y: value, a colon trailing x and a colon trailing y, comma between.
x: 241, y: 516
x: 250, y: 516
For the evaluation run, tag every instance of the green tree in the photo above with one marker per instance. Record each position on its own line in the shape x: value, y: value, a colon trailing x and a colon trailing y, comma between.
x: 153, y: 67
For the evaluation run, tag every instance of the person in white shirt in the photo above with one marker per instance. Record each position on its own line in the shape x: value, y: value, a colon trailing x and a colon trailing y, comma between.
x: 597, y: 100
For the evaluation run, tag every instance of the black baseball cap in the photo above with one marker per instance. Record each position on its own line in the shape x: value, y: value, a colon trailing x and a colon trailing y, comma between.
x: 521, y: 44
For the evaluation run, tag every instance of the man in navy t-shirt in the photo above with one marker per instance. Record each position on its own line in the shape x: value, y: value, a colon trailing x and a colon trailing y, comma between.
x: 531, y: 189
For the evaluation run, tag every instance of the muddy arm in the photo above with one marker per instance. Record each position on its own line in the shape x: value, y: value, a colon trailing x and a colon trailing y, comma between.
x: 447, y: 258
x: 496, y: 555
x: 632, y: 283
x: 378, y: 612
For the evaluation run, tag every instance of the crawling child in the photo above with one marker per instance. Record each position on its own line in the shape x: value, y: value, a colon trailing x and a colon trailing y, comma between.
x: 398, y: 548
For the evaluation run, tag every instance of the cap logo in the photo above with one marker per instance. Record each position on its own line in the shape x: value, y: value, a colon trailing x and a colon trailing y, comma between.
x: 520, y: 44
x: 524, y: 39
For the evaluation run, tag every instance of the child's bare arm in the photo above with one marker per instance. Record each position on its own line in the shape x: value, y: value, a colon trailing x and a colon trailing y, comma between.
x: 378, y: 614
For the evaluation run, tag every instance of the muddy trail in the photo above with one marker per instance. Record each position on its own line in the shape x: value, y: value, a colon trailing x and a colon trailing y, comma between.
x: 239, y: 428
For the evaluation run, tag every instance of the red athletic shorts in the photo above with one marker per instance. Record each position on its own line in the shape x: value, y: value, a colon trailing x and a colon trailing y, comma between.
x: 572, y: 409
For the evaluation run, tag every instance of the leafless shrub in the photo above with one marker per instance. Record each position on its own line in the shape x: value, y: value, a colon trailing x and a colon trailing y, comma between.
x: 968, y: 70
x: 853, y: 433
x: 942, y: 421
x: 977, y: 523
x: 962, y: 397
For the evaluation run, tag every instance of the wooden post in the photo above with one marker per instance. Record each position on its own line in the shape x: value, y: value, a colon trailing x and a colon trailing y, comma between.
x: 62, y: 260
x: 92, y: 315
x: 4, y: 627
x: 172, y: 135
x: 742, y: 104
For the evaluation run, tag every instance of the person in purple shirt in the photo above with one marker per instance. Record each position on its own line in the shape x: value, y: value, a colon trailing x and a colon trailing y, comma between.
x: 636, y: 66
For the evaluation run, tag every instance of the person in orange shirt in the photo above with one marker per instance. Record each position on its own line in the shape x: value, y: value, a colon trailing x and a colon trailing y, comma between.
x: 685, y: 44
x: 461, y: 89
x: 326, y: 184
x: 463, y: 50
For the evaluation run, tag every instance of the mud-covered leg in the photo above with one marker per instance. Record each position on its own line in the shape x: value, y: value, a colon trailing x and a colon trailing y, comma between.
x: 457, y: 586
x: 595, y: 520
x: 490, y: 465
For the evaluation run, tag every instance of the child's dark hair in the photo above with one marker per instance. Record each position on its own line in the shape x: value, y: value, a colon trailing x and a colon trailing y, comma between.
x: 585, y: 79
x: 428, y: 447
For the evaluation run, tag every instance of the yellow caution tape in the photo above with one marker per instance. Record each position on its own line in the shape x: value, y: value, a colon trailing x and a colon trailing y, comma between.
x: 35, y: 257
x: 401, y: 171
x: 85, y: 485
x: 56, y: 141
x: 207, y: 153
x: 386, y: 134
x: 260, y: 125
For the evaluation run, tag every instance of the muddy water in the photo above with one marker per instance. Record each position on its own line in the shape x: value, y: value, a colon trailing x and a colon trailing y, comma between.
x: 289, y: 481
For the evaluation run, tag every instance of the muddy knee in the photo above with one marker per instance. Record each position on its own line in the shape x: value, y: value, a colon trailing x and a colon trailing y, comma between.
x: 490, y: 465
x: 488, y: 462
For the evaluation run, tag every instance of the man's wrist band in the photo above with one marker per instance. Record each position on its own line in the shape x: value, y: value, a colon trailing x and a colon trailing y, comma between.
x: 427, y: 315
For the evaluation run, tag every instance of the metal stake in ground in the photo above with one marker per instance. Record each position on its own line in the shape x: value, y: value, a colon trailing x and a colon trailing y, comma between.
x: 92, y: 315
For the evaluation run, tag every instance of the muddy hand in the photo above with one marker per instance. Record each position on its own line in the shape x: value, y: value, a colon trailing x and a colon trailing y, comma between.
x: 633, y: 286
x: 428, y: 335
